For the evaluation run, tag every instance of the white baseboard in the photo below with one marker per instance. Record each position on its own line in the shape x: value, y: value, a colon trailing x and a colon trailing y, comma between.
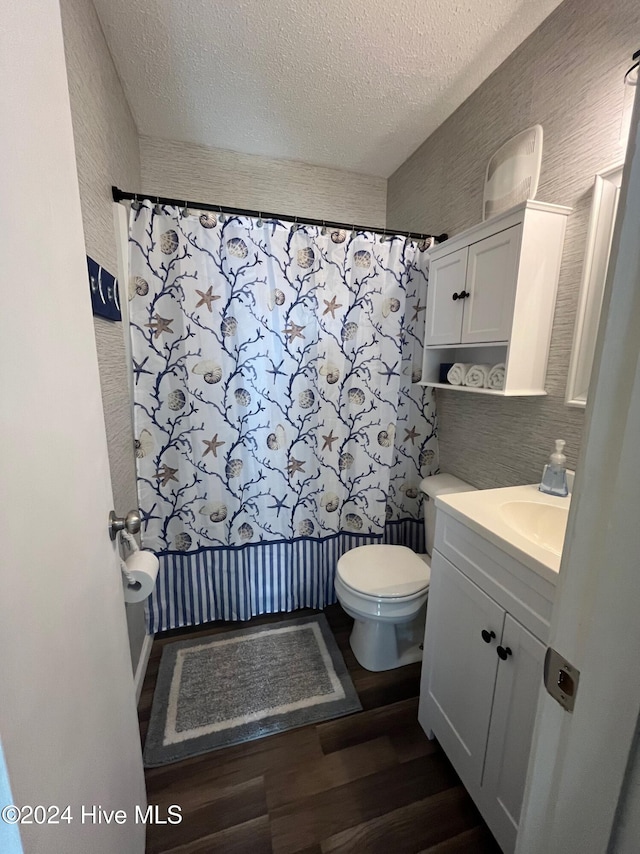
x: 141, y: 669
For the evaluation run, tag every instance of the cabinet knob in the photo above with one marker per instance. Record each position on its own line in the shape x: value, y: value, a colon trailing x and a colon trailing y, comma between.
x: 503, y: 652
x: 456, y: 296
x: 487, y: 637
x: 463, y: 294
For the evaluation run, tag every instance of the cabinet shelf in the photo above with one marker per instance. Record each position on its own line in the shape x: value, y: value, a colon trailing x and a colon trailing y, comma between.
x: 490, y: 354
x: 465, y: 346
x: 500, y: 393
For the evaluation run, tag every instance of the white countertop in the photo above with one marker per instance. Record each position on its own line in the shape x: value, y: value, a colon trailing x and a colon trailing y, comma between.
x: 481, y: 511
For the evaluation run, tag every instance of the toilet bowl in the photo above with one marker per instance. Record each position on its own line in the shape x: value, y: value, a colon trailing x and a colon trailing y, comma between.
x: 385, y: 589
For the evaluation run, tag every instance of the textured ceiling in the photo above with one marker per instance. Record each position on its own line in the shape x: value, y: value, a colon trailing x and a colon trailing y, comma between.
x: 343, y: 83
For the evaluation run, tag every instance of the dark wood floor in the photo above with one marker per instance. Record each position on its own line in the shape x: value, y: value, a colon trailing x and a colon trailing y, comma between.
x: 370, y: 782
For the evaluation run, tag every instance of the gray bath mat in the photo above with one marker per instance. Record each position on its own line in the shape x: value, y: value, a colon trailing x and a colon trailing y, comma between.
x: 241, y: 685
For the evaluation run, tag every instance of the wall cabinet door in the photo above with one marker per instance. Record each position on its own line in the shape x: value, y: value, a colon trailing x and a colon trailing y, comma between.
x: 514, y: 708
x: 461, y: 667
x: 447, y: 277
x: 492, y: 271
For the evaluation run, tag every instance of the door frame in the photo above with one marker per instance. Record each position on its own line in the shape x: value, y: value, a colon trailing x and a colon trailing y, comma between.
x: 121, y: 231
x: 581, y: 793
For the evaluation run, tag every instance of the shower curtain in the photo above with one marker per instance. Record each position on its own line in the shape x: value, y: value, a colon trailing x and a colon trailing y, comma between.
x: 278, y: 417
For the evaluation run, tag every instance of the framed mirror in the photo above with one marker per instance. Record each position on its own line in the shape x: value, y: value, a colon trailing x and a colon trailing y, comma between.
x: 606, y: 191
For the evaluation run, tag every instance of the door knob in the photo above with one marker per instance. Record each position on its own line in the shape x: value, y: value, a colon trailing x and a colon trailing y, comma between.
x: 487, y: 637
x: 130, y: 522
x: 503, y: 652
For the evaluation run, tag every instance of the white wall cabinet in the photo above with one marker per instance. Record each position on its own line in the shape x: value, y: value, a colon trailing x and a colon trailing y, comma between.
x: 487, y: 624
x: 491, y: 297
x: 447, y: 279
x: 471, y: 291
x: 491, y: 287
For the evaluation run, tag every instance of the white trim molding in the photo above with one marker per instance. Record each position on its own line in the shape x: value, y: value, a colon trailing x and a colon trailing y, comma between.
x: 606, y: 191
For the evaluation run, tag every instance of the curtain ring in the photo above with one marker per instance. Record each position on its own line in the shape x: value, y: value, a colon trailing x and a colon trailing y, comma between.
x: 221, y: 215
x: 259, y: 222
x: 323, y: 230
x: 136, y: 204
x: 156, y: 208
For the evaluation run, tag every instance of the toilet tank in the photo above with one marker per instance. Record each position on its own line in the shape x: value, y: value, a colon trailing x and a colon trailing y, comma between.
x: 431, y: 487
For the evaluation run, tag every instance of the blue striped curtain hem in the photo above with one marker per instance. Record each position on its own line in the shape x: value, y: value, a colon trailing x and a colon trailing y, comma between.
x: 240, y: 582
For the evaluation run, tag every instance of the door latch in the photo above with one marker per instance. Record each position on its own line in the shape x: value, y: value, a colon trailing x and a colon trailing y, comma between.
x: 561, y: 679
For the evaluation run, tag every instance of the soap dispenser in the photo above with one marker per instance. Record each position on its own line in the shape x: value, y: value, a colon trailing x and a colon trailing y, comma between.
x: 554, y: 476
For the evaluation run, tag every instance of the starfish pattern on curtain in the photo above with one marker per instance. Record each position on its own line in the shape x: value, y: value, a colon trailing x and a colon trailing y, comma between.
x: 277, y: 412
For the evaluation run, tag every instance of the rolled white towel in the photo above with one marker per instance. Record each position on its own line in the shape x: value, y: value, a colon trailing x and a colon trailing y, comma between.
x: 457, y: 373
x: 496, y: 377
x: 477, y: 376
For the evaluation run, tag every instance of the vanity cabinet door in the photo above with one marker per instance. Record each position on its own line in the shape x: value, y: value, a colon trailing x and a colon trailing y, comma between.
x: 492, y: 273
x: 518, y: 684
x: 447, y: 277
x: 458, y: 681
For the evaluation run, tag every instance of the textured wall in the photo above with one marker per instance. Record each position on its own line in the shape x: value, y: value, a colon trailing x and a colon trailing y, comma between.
x: 106, y: 143
x: 242, y: 180
x: 567, y: 76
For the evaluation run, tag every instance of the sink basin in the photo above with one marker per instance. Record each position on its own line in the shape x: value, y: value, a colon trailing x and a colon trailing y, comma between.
x: 527, y: 524
x: 542, y: 524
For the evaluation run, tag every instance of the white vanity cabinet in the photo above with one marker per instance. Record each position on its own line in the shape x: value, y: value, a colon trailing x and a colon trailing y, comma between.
x: 485, y: 640
x: 491, y: 297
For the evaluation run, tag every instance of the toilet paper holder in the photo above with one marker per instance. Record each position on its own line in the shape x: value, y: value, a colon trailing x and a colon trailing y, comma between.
x: 131, y: 522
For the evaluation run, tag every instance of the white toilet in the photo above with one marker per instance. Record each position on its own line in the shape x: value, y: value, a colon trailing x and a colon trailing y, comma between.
x: 385, y: 588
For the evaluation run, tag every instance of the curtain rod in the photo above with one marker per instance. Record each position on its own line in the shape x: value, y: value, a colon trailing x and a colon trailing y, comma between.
x: 122, y: 196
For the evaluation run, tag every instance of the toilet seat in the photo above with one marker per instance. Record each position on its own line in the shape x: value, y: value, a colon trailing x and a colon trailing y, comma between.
x: 394, y: 573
